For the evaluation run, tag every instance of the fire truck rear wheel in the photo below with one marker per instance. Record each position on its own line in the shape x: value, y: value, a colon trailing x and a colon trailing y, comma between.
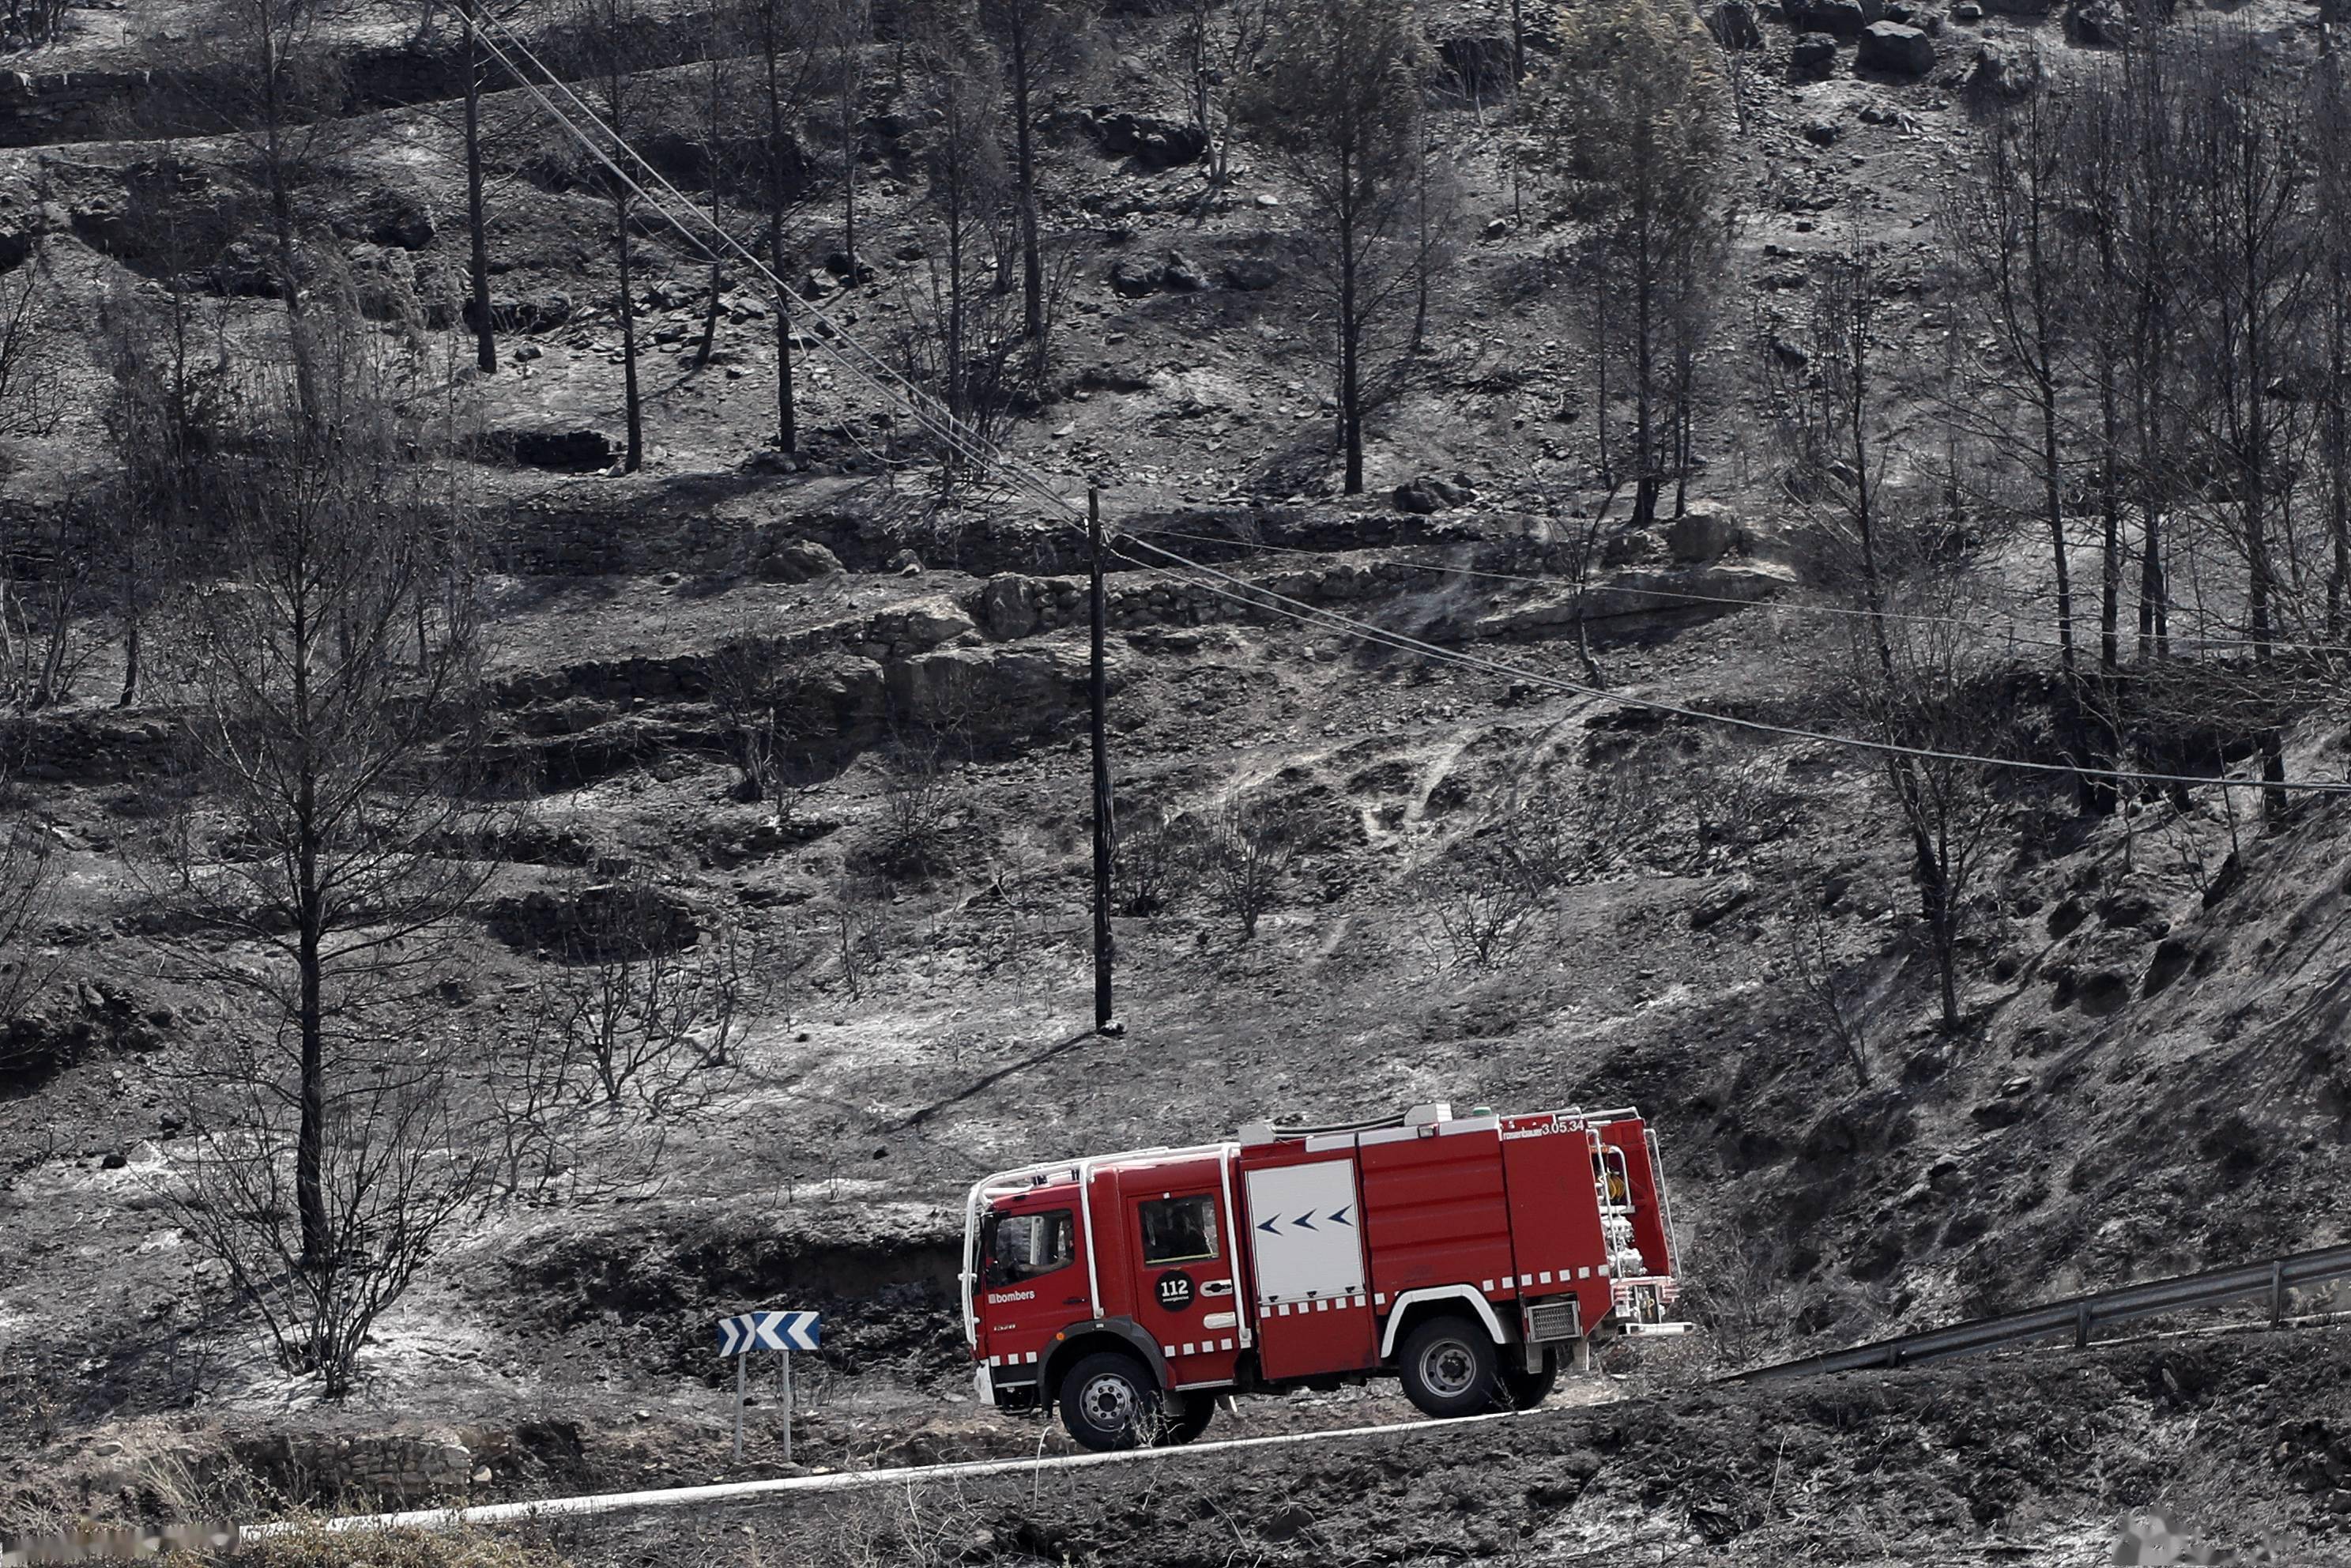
x: 1194, y: 1421
x: 1108, y: 1401
x: 1528, y: 1389
x: 1448, y: 1368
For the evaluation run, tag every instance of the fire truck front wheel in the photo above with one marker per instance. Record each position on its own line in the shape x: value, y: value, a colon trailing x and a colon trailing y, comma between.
x: 1449, y: 1368
x: 1108, y: 1401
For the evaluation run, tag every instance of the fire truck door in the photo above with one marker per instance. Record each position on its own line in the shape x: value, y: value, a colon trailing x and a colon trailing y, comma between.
x: 1314, y: 1309
x: 1183, y: 1290
x: 1033, y: 1282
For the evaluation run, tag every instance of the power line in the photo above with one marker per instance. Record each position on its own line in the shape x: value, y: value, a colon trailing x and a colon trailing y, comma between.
x: 1298, y: 610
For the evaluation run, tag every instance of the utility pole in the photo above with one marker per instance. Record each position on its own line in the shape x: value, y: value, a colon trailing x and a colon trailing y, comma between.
x: 1099, y: 690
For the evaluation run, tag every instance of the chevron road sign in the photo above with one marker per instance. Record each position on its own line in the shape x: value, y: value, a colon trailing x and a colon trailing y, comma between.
x: 744, y: 1333
x: 766, y: 1330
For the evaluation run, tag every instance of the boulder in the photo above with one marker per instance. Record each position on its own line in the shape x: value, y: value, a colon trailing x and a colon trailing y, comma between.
x: 1025, y: 689
x: 1150, y: 140
x: 1720, y: 901
x: 2098, y: 23
x: 524, y: 313
x: 1734, y: 25
x: 934, y: 622
x: 599, y: 922
x: 1250, y: 273
x: 566, y: 451
x: 798, y: 560
x: 1822, y: 132
x: 1895, y: 50
x: 1007, y: 607
x: 1481, y: 65
x: 244, y: 270
x: 1640, y: 602
x: 1135, y: 279
x: 1632, y: 547
x: 1842, y: 18
x: 1703, y: 533
x: 1812, y: 56
x: 1430, y: 494
x: 2003, y: 67
x: 401, y: 220
x: 1183, y: 274
x: 845, y: 695
x: 840, y: 264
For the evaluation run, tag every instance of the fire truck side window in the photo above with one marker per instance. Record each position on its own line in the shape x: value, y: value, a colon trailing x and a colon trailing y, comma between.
x: 1023, y: 1246
x: 1179, y: 1229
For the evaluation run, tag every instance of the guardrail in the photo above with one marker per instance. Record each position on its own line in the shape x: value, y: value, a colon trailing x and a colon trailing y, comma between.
x: 2079, y: 1315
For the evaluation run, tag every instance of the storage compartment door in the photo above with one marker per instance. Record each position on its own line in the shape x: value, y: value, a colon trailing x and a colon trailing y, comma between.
x: 1306, y: 1245
x: 1555, y: 1213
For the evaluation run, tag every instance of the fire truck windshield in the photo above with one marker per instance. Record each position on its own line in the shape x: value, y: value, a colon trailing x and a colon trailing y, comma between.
x: 1017, y: 1247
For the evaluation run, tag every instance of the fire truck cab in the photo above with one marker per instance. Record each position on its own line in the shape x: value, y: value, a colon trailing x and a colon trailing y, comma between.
x: 1464, y: 1255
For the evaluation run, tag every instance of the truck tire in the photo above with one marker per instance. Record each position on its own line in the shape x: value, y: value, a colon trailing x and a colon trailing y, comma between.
x: 1197, y: 1409
x: 1448, y: 1368
x: 1109, y: 1401
x: 1528, y: 1389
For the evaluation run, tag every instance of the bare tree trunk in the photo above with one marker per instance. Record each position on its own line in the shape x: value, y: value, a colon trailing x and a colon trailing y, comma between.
x: 130, y: 656
x: 635, y: 457
x: 771, y: 47
x: 955, y: 365
x: 485, y: 342
x: 274, y: 161
x: 2339, y: 444
x: 1032, y: 263
x: 2053, y: 501
x: 309, y: 1149
x: 1351, y: 421
x: 710, y: 312
x: 1600, y: 379
x: 2110, y: 514
x: 850, y: 83
x: 1644, y: 373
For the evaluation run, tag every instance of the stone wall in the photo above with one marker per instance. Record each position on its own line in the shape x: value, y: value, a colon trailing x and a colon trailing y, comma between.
x: 37, y: 108
x: 408, y: 1466
x: 85, y: 748
x: 388, y: 1466
x: 889, y: 637
x: 1627, y: 603
x: 690, y: 531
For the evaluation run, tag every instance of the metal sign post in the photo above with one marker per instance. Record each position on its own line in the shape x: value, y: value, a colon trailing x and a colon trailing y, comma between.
x: 783, y: 1332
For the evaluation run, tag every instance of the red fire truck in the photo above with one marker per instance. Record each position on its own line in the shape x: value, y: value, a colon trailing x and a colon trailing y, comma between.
x: 1463, y: 1254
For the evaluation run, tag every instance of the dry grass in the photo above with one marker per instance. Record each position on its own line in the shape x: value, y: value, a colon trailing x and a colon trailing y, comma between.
x: 310, y: 1544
